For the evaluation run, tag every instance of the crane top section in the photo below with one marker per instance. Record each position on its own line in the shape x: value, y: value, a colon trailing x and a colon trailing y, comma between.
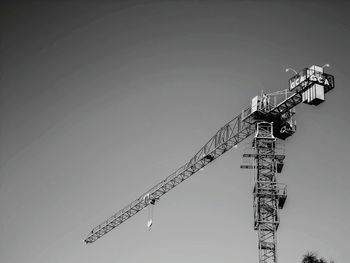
x: 308, y: 86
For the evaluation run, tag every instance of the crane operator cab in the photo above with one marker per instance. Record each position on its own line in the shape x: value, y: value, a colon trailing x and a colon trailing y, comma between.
x: 261, y: 110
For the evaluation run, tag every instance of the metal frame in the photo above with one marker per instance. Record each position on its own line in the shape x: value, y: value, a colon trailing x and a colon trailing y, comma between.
x: 269, y: 196
x: 224, y: 139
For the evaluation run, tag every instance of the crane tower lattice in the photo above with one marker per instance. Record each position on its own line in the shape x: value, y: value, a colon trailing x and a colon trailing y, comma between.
x: 269, y: 195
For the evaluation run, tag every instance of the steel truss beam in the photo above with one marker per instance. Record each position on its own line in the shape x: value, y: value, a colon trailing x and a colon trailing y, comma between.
x: 224, y: 139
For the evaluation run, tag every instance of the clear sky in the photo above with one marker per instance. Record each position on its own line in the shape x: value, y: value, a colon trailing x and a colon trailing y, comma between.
x: 100, y: 100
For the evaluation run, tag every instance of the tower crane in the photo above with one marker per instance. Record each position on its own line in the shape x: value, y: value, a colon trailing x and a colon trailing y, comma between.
x: 270, y: 119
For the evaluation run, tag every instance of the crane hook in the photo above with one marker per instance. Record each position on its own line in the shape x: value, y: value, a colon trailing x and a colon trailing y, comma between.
x: 150, y: 214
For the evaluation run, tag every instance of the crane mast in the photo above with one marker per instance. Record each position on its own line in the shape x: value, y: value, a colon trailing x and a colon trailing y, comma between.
x: 270, y: 117
x: 269, y: 195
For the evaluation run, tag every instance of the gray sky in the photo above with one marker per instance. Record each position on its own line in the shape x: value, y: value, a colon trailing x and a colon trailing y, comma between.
x: 100, y: 101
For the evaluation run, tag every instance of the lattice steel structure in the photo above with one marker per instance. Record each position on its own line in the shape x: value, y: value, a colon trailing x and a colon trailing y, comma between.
x: 266, y: 160
x: 270, y: 116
